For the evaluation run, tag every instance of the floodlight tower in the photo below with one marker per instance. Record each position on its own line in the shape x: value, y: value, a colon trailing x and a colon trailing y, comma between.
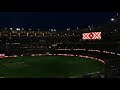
x: 89, y: 27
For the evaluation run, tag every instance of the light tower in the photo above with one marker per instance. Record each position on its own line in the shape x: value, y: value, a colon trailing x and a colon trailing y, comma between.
x: 89, y: 27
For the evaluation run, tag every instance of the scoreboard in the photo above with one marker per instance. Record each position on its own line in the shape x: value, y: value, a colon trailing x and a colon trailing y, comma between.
x: 91, y: 36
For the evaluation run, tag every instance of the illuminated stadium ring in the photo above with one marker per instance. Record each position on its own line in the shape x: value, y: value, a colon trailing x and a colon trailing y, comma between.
x: 68, y: 55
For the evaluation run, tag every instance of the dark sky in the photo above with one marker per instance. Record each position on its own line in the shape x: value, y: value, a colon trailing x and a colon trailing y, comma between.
x: 53, y: 19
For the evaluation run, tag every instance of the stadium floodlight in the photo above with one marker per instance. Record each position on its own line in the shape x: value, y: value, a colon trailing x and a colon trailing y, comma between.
x: 112, y: 19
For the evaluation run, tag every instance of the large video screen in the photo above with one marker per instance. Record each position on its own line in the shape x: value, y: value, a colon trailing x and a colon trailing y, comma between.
x: 91, y: 35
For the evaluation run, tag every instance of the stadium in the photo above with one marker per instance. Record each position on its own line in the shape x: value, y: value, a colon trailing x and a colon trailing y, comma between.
x: 92, y: 52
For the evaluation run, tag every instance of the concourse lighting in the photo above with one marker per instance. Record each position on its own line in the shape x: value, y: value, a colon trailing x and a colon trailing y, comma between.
x: 117, y: 14
x: 54, y: 29
x: 11, y: 29
x: 17, y: 29
x: 22, y: 28
x: 51, y: 29
x: 68, y: 29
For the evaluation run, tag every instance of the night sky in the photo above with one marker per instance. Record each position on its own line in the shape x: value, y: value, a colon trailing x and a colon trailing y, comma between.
x: 58, y: 20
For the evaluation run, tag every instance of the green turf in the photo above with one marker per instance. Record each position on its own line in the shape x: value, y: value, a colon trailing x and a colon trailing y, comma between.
x: 48, y: 67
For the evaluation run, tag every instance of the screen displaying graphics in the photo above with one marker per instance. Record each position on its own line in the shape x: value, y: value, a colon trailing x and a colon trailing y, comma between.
x: 91, y: 35
x: 2, y: 55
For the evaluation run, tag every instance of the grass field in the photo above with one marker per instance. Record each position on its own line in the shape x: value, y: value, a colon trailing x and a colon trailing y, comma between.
x: 48, y: 67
